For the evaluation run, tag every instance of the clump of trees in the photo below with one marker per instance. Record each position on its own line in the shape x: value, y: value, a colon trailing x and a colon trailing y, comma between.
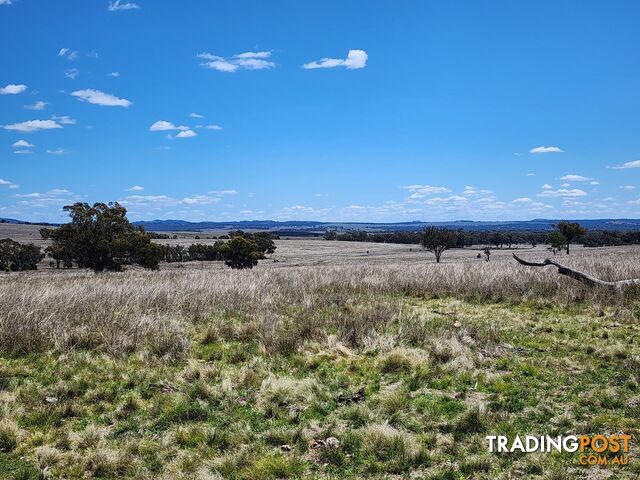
x: 16, y: 257
x: 437, y: 240
x: 243, y: 250
x: 100, y: 237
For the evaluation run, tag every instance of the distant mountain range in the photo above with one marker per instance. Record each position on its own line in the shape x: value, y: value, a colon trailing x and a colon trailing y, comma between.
x: 297, y: 228
x: 311, y: 228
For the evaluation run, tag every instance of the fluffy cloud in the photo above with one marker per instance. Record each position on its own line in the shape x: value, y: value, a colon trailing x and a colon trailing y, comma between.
x: 522, y: 200
x: 563, y: 192
x: 196, y: 115
x: 118, y: 5
x: 245, y: 61
x: 97, y: 97
x: 23, y: 152
x: 473, y: 191
x: 114, y: 74
x: 40, y: 105
x: 421, y: 191
x: 575, y: 178
x: 355, y: 59
x: 186, y: 134
x: 163, y: 126
x: 546, y: 150
x: 32, y: 126
x: 634, y: 164
x: 135, y: 188
x: 22, y: 144
x: 12, y: 89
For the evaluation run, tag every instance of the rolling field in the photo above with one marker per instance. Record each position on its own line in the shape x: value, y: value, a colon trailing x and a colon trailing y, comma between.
x: 328, y: 360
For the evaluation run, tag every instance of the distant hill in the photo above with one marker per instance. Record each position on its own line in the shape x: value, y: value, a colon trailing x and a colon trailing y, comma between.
x: 298, y: 228
x: 310, y: 228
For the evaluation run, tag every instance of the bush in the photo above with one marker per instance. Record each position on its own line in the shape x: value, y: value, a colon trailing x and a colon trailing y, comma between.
x: 16, y: 257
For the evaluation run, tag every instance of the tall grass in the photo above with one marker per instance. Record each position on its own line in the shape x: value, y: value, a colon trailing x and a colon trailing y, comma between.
x: 152, y: 311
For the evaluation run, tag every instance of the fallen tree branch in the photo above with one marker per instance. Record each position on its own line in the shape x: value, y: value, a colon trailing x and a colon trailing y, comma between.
x: 580, y: 276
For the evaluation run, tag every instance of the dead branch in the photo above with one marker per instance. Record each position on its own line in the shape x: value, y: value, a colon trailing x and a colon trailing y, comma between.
x: 580, y: 276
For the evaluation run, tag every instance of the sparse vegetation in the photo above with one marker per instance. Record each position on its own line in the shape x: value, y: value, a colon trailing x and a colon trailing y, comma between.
x: 346, y: 371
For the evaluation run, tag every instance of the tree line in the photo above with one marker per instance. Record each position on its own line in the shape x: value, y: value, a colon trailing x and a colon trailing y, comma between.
x: 100, y: 237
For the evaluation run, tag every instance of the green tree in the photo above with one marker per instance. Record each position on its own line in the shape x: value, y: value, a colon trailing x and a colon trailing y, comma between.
x: 240, y: 252
x: 572, y: 231
x: 437, y: 240
x: 557, y: 241
x: 100, y: 237
x: 16, y: 257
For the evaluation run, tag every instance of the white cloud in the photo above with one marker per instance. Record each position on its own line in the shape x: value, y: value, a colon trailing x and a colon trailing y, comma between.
x: 12, y: 89
x: 213, y: 127
x: 163, y: 126
x: 627, y: 187
x: 23, y: 152
x: 473, y: 191
x: 634, y: 164
x: 594, y: 183
x: 5, y: 182
x: 563, y: 192
x: 186, y: 134
x: 64, y: 119
x: 531, y: 174
x: 58, y: 151
x: 196, y: 115
x: 522, y: 200
x: 546, y: 150
x: 66, y: 52
x: 355, y: 59
x: 114, y: 74
x: 120, y: 5
x: 546, y: 186
x: 135, y: 188
x: 565, y: 185
x: 223, y: 193
x: 245, y: 61
x: 22, y: 144
x: 97, y: 97
x: 421, y: 191
x: 5, y: 2
x: 575, y: 178
x: 71, y: 73
x: 32, y: 126
x: 39, y: 105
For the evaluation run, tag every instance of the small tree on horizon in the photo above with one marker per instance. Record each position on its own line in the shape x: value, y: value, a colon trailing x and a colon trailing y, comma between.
x: 437, y: 240
x: 571, y: 231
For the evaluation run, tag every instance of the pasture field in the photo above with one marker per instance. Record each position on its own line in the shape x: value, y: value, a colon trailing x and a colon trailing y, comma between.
x: 328, y: 360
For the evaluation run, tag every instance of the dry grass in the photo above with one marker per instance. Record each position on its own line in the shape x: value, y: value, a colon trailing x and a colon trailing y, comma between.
x: 152, y: 311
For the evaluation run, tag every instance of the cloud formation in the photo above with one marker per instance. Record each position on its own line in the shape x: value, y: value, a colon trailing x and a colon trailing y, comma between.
x: 421, y: 191
x: 97, y: 97
x: 575, y: 178
x: 119, y: 5
x: 563, y: 192
x: 39, y: 105
x: 186, y: 134
x: 164, y: 126
x: 634, y: 164
x: 241, y: 61
x: 22, y: 144
x: 32, y: 126
x: 546, y: 150
x: 355, y: 59
x: 12, y: 89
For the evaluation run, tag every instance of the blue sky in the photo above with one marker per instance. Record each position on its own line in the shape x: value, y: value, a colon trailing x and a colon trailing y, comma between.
x: 321, y: 110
